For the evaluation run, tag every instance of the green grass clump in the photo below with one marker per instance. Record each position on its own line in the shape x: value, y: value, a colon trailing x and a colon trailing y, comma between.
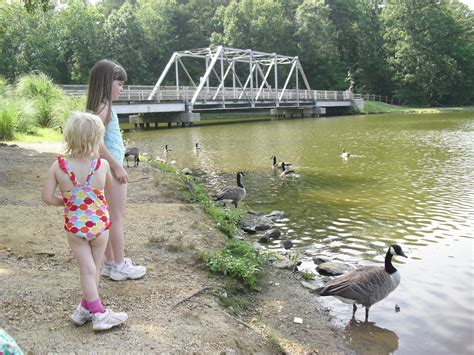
x: 239, y: 260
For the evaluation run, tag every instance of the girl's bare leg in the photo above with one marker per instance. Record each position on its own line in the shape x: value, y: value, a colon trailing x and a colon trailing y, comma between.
x: 98, y: 248
x: 82, y: 251
x: 116, y: 195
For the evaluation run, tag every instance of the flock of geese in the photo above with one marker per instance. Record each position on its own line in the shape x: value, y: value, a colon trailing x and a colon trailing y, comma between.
x: 365, y: 286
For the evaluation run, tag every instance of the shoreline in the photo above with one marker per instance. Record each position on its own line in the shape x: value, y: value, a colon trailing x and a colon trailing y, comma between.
x: 168, y: 236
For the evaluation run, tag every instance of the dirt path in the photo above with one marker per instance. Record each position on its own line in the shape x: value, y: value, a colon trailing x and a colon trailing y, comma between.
x: 40, y: 280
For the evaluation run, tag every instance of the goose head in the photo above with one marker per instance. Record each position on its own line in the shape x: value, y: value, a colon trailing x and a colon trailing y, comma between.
x: 396, y: 249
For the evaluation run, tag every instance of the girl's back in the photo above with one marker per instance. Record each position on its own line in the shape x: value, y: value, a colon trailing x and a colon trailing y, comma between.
x: 81, y: 169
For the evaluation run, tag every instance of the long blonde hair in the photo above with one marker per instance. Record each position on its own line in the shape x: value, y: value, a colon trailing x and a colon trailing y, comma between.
x: 83, y: 134
x: 102, y: 76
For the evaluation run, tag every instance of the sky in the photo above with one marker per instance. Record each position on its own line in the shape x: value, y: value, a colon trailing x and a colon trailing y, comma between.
x: 469, y: 3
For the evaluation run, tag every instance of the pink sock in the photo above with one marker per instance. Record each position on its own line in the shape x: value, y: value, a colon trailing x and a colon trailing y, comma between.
x: 96, y: 306
x: 84, y: 304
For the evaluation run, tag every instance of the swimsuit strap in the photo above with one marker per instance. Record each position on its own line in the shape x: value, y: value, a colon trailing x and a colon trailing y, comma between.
x: 63, y: 164
x: 95, y: 164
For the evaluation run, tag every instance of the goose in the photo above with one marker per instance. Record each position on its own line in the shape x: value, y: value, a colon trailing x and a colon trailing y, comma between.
x: 167, y: 150
x: 276, y: 165
x: 133, y: 153
x: 345, y: 154
x: 286, y: 172
x: 366, y: 285
x: 197, y: 147
x: 232, y: 194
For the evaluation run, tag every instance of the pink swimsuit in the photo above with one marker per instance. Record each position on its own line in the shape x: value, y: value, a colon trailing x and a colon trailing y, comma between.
x: 85, y: 209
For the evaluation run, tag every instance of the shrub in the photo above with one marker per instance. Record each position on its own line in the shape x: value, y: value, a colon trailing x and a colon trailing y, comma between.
x: 16, y: 115
x: 239, y: 260
x: 47, y: 99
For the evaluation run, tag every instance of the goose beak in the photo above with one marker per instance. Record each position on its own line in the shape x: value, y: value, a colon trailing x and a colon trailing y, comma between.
x: 403, y: 254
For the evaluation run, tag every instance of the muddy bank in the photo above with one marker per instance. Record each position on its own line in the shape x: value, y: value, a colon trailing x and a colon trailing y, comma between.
x: 173, y: 309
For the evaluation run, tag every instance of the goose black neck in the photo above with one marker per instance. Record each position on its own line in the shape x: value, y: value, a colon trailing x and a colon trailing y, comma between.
x: 274, y: 160
x: 388, y: 263
x: 238, y: 181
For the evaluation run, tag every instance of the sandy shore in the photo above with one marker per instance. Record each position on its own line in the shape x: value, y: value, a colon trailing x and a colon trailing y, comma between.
x: 40, y: 279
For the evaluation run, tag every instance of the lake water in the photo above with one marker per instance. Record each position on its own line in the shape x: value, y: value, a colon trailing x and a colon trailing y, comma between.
x: 409, y: 180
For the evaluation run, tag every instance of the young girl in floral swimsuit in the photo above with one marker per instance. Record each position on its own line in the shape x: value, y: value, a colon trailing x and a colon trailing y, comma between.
x: 81, y: 178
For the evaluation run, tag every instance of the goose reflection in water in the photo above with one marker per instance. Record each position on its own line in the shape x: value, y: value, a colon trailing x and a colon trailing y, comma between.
x: 368, y: 339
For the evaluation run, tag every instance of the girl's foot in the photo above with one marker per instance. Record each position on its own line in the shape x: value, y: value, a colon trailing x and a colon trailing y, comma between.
x: 81, y: 315
x: 127, y: 271
x: 108, y: 319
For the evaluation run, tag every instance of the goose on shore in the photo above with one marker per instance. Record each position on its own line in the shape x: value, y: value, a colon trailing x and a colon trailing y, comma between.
x: 232, y: 194
x: 345, y: 154
x: 366, y: 285
x: 276, y: 165
x: 286, y: 171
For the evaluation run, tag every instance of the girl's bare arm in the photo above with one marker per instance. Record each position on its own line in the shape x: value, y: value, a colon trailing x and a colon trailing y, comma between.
x: 49, y: 188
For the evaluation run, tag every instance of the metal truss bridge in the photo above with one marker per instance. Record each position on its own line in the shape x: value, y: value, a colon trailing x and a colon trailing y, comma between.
x: 222, y: 78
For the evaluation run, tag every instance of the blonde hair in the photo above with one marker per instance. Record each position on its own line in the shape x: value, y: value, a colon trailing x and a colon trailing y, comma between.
x: 83, y: 134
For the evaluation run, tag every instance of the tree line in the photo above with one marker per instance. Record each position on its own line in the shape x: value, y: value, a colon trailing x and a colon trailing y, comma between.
x: 420, y: 51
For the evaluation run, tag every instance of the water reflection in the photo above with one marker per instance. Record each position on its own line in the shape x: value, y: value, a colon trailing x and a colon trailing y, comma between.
x: 368, y: 339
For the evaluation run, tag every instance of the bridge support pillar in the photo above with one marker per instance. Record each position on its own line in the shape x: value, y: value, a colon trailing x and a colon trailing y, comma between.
x: 297, y: 112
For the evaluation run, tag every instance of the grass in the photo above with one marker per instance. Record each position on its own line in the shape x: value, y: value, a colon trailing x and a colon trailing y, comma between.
x: 239, y: 260
x: 375, y: 107
x: 42, y: 135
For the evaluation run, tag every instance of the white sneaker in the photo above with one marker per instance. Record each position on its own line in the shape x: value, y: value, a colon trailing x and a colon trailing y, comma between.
x: 81, y: 315
x: 108, y: 319
x: 105, y: 270
x: 127, y: 271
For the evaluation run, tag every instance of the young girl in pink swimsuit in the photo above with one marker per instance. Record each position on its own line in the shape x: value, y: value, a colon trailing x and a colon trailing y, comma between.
x: 81, y: 178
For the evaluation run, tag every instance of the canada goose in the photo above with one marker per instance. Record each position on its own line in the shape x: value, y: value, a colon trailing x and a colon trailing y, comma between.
x: 167, y: 150
x: 232, y: 194
x: 345, y: 154
x: 135, y: 154
x: 197, y: 147
x: 287, y: 172
x: 276, y: 165
x: 366, y: 285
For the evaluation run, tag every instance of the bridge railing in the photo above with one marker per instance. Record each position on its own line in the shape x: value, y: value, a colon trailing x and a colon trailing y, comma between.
x: 210, y: 94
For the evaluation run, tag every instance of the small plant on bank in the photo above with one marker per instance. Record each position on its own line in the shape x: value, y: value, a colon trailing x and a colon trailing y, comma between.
x: 307, y: 275
x: 239, y: 260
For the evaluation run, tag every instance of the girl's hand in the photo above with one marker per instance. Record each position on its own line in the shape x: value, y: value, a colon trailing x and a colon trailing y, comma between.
x: 120, y: 174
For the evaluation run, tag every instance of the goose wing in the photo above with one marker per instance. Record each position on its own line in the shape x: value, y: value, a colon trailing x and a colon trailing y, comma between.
x: 230, y: 193
x: 365, y: 285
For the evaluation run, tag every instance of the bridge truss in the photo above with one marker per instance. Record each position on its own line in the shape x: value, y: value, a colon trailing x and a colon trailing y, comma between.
x: 243, y: 77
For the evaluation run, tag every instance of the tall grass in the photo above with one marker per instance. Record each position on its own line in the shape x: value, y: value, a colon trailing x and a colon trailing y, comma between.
x: 16, y: 115
x: 33, y: 102
x: 46, y: 98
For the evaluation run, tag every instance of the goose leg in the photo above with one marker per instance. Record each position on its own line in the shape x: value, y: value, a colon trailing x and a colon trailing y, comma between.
x: 366, y: 314
x: 354, y: 310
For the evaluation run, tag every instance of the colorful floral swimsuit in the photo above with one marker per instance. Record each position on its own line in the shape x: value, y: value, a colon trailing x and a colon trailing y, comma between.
x: 85, y: 209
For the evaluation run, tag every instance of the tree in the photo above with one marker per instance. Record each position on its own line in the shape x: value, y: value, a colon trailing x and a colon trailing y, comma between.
x: 125, y: 42
x: 426, y: 44
x: 316, y: 37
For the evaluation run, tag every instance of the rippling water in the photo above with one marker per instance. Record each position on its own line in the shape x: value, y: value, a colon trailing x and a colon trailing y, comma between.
x: 409, y: 180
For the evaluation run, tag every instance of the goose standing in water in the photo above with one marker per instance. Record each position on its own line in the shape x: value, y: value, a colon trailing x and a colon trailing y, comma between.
x: 366, y: 285
x: 276, y: 165
x: 287, y: 172
x: 232, y: 194
x: 344, y: 154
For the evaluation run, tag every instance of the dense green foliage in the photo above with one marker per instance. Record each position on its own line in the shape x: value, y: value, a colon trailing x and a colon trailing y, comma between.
x: 419, y: 51
x: 33, y: 102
